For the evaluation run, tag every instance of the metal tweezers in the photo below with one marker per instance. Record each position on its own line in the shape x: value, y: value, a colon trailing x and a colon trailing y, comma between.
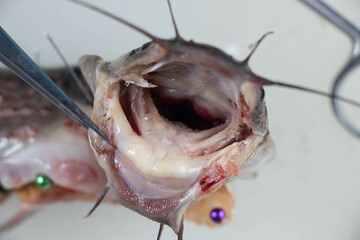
x: 354, y: 33
x: 18, y: 61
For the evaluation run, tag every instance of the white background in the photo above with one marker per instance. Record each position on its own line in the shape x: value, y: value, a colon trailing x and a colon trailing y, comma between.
x: 310, y: 191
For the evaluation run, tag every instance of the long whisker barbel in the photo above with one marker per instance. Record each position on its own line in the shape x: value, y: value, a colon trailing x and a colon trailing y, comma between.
x: 87, y: 94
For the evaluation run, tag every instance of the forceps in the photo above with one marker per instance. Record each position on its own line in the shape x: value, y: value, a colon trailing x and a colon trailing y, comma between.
x: 354, y: 33
x: 18, y: 61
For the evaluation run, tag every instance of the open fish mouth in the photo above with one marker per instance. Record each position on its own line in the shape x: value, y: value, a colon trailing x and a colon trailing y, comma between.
x: 182, y: 127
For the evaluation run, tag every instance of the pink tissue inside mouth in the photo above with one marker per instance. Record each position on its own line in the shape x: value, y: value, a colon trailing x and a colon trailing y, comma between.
x: 23, y: 132
x: 73, y: 127
x: 75, y: 172
x: 202, y: 112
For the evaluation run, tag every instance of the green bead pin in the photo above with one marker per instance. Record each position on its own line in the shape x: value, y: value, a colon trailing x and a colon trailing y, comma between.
x: 42, y: 181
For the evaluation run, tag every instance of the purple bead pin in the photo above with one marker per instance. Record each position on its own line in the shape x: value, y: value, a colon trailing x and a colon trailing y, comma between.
x: 217, y: 215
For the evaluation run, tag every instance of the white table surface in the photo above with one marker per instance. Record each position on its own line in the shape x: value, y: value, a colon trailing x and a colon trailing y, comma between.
x: 310, y: 191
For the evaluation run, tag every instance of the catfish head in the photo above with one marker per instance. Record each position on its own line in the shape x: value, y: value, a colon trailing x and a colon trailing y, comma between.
x: 184, y: 118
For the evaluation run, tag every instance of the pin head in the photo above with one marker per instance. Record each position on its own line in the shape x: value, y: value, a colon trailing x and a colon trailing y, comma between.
x: 217, y: 215
x: 42, y: 181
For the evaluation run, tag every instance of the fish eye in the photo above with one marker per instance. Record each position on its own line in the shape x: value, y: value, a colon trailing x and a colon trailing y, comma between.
x: 262, y: 93
x: 42, y: 181
x: 145, y: 46
x: 217, y: 215
x: 132, y: 53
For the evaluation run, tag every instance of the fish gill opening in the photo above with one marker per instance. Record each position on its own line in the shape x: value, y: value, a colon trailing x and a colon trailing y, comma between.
x: 182, y: 95
x: 185, y: 111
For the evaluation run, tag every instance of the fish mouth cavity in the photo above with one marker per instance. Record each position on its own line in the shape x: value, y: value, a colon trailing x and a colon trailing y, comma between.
x: 181, y: 97
x: 186, y: 111
x: 179, y: 127
x: 186, y: 114
x: 171, y: 123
